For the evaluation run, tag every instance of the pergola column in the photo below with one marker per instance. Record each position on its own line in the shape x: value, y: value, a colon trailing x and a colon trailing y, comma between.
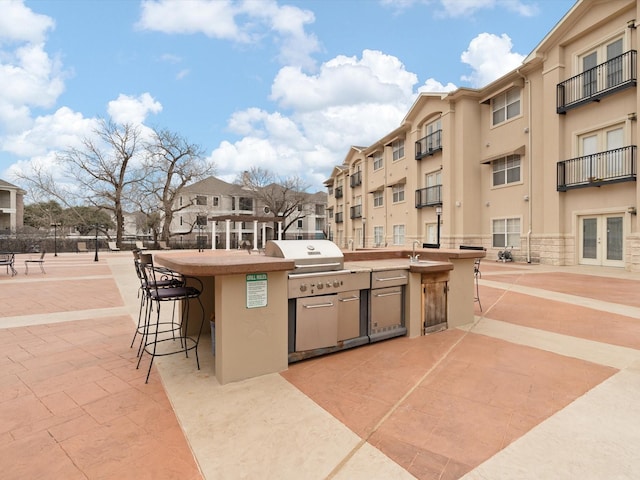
x: 255, y: 235
x: 227, y: 234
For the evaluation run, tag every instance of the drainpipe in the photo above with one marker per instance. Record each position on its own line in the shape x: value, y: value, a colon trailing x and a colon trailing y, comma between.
x: 530, y: 166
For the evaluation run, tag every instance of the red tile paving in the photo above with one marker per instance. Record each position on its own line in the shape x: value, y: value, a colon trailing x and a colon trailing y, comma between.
x: 72, y: 404
x: 477, y: 395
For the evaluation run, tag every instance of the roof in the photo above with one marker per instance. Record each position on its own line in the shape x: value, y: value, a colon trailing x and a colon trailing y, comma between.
x: 212, y: 185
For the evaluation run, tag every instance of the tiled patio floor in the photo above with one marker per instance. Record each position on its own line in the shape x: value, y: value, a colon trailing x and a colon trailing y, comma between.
x: 73, y: 405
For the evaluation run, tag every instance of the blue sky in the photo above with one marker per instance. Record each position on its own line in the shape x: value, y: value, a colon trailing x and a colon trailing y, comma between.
x: 285, y: 85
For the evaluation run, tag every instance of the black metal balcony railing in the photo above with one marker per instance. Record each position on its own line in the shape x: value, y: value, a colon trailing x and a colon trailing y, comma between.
x: 355, y: 179
x: 356, y: 211
x: 429, y: 196
x: 429, y: 145
x: 597, y: 82
x: 339, y: 218
x: 339, y: 192
x: 612, y: 166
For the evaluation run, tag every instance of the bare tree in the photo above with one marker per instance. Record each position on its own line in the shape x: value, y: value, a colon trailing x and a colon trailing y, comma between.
x: 99, y: 173
x: 171, y: 163
x: 284, y: 198
x: 104, y: 168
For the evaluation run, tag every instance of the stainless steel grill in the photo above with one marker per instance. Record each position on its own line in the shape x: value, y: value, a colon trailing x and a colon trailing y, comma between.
x: 309, y: 255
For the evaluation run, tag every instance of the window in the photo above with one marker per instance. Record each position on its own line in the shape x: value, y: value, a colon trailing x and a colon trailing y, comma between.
x: 201, y: 220
x: 398, y: 234
x: 299, y: 223
x: 506, y: 106
x: 378, y: 236
x: 201, y: 200
x: 245, y: 203
x: 506, y: 170
x: 180, y: 220
x: 433, y: 133
x: 398, y: 149
x: 378, y: 198
x: 377, y: 161
x: 602, y: 166
x: 506, y: 233
x: 216, y: 201
x: 180, y: 201
x: 608, y: 52
x: 398, y: 193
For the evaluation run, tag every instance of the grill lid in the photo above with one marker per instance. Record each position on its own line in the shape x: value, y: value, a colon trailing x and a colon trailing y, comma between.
x: 309, y: 255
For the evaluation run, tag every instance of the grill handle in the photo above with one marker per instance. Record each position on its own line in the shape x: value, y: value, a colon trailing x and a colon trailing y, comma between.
x: 319, y: 305
x: 315, y: 265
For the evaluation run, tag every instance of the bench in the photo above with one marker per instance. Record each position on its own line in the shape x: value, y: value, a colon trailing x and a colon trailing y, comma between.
x: 82, y: 247
x: 113, y: 247
x: 8, y: 259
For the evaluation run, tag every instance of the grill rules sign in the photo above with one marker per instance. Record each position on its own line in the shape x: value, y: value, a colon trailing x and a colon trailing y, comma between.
x: 256, y: 290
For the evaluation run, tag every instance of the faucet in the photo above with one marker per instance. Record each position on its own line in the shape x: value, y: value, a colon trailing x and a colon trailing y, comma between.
x: 414, y: 258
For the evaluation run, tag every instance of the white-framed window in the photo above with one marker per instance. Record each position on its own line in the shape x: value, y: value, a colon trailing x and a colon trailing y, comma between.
x: 433, y: 133
x: 398, y: 234
x: 506, y: 170
x: 398, y: 149
x: 378, y: 236
x: 201, y: 200
x: 505, y: 106
x: 612, y: 75
x: 506, y: 232
x: 378, y: 198
x: 612, y: 162
x: 377, y: 161
x: 398, y: 193
x: 216, y: 201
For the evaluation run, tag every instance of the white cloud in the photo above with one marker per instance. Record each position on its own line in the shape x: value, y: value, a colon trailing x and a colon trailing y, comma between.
x: 376, y: 78
x: 19, y: 24
x: 490, y: 57
x: 244, y: 22
x: 466, y: 8
x: 128, y: 109
x: 431, y: 85
x: 60, y: 131
x: 350, y: 101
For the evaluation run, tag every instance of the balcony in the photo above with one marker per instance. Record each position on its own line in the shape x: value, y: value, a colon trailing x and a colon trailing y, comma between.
x: 599, y: 169
x: 339, y: 192
x: 355, y: 179
x: 429, y: 145
x: 339, y: 217
x: 598, y: 82
x: 356, y: 211
x: 429, y: 196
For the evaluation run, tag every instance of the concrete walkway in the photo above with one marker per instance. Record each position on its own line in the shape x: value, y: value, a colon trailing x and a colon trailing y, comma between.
x: 543, y: 385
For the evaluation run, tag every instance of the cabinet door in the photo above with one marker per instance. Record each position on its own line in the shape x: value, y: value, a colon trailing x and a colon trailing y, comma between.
x: 316, y: 322
x: 434, y: 306
x: 386, y: 309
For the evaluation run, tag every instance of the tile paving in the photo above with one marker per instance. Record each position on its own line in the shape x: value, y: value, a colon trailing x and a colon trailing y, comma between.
x: 72, y: 404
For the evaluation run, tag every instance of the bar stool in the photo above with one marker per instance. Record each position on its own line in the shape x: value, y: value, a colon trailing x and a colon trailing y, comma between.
x: 159, y: 341
x: 167, y: 278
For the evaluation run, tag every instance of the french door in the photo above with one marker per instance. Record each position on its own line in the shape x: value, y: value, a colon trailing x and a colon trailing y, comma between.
x: 601, y: 240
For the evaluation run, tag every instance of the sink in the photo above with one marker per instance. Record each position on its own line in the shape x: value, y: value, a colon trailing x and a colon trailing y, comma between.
x: 423, y: 262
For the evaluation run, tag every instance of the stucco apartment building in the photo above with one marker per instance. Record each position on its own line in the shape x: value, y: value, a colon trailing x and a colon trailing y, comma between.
x: 205, y: 207
x: 543, y: 160
x: 11, y: 207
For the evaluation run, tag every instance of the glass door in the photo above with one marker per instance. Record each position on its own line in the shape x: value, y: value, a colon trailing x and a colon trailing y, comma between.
x: 602, y: 240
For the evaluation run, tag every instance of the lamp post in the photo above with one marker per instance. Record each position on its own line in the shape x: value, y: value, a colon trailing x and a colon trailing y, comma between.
x: 95, y: 259
x: 55, y: 238
x: 438, y: 213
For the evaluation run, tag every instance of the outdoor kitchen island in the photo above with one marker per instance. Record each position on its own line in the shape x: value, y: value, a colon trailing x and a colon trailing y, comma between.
x: 247, y: 297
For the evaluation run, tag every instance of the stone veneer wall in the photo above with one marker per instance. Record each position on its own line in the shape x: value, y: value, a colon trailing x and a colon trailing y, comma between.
x: 632, y: 253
